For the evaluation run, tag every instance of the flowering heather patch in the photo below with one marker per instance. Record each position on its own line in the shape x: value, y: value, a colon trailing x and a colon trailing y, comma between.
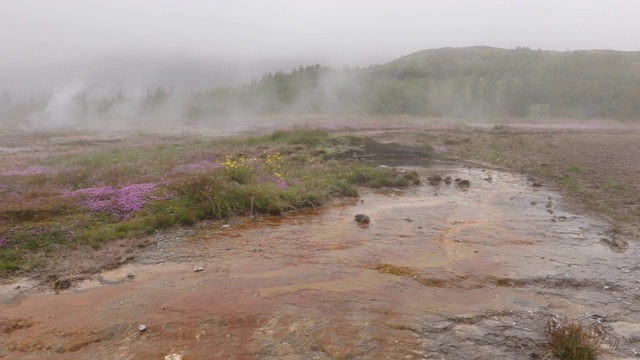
x: 120, y: 203
x: 283, y: 184
x: 31, y: 170
x: 196, y: 167
x: 3, y: 242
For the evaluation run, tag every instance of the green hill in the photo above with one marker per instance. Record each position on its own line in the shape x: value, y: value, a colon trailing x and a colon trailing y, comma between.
x: 458, y: 82
x: 521, y: 82
x: 472, y: 82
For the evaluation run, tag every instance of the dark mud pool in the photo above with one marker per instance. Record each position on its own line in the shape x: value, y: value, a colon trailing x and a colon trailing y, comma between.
x: 441, y: 272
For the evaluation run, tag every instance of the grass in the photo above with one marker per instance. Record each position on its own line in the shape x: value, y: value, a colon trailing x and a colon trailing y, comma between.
x: 571, y: 341
x: 92, y: 196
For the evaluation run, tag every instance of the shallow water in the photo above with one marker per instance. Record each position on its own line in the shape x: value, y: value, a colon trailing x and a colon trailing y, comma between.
x: 440, y: 272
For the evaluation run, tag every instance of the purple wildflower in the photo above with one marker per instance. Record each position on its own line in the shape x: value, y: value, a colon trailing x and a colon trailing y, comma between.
x: 296, y: 181
x: 117, y: 202
x: 3, y: 242
x: 283, y: 184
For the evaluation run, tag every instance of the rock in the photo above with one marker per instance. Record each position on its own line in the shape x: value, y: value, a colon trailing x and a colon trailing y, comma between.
x: 142, y: 328
x: 62, y: 284
x: 463, y: 183
x: 173, y: 356
x: 616, y: 244
x: 434, y: 180
x: 362, y: 218
x: 198, y: 268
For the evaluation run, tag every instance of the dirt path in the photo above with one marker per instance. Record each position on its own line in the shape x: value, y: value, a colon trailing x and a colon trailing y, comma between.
x: 442, y: 271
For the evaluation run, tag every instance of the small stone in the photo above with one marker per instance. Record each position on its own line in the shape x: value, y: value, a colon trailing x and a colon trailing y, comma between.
x: 362, y: 218
x: 142, y: 328
x: 226, y: 225
x: 198, y: 268
x: 131, y: 276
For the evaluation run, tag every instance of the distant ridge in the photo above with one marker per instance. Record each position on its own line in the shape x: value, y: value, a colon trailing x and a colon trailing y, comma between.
x: 488, y: 81
x: 466, y: 82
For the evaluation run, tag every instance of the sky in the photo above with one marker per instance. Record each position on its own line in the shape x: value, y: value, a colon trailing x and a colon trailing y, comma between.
x: 39, y: 35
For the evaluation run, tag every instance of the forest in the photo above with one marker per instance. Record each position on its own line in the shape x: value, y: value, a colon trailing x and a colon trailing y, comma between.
x: 472, y: 82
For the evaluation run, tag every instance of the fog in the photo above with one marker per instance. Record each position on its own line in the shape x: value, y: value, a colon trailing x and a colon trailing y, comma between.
x: 103, y: 47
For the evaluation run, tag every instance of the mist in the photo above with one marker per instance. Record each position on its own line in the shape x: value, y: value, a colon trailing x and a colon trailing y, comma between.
x: 70, y: 63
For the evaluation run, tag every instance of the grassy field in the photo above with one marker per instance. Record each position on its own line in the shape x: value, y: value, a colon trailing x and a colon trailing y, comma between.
x: 78, y: 191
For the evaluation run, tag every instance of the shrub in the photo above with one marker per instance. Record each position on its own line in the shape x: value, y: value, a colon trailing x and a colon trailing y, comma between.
x: 571, y: 341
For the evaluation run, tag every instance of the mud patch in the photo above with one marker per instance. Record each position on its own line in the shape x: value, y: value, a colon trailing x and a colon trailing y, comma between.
x: 395, y: 270
x: 10, y: 325
x: 366, y: 148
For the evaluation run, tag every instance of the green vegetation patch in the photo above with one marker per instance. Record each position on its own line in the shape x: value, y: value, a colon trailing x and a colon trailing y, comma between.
x: 134, y: 190
x: 571, y: 341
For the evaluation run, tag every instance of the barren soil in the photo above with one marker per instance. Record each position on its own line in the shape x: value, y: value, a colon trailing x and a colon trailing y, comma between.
x: 442, y: 270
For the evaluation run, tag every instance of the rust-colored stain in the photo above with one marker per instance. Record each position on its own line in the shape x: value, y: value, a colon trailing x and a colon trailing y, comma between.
x: 317, y: 285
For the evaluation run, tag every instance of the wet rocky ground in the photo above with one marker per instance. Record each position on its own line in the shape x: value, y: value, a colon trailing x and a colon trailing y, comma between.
x: 440, y: 272
x: 470, y: 265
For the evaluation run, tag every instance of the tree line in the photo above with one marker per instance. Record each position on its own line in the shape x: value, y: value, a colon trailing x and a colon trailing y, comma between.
x: 451, y: 82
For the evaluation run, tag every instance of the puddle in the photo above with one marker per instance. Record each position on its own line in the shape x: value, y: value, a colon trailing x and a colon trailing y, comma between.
x: 441, y: 271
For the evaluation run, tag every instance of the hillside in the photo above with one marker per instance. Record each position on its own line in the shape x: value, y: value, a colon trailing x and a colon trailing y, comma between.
x: 473, y: 82
x: 522, y: 82
x: 457, y: 82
